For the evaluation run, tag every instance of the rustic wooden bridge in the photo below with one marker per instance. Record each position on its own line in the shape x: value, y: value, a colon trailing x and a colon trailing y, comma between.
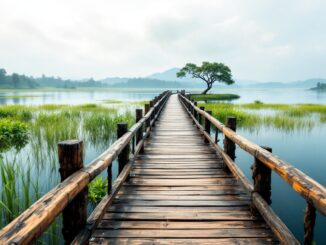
x: 175, y: 186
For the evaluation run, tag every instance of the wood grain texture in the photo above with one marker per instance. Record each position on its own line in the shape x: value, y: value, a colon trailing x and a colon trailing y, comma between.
x: 310, y: 189
x: 179, y: 193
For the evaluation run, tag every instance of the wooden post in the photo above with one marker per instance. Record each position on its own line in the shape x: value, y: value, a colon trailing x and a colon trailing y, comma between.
x: 309, y: 224
x: 123, y: 157
x: 200, y: 116
x: 195, y: 112
x: 110, y: 179
x: 74, y: 215
x: 208, y: 125
x: 148, y: 121
x: 139, y: 135
x: 229, y: 145
x: 216, y: 135
x: 151, y: 105
x: 262, y: 177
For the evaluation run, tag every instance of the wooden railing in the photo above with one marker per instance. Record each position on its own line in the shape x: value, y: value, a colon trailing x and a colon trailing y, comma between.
x: 69, y: 197
x: 265, y: 161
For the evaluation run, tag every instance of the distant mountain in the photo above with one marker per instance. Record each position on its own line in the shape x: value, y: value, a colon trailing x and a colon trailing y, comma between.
x: 114, y: 80
x: 305, y: 84
x: 147, y: 83
x: 170, y: 75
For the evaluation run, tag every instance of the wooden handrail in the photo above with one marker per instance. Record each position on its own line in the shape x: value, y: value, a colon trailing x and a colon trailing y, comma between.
x: 300, y: 182
x: 274, y: 222
x: 29, y: 225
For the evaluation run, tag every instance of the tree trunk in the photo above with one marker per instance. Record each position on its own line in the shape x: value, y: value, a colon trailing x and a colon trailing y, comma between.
x: 206, y: 90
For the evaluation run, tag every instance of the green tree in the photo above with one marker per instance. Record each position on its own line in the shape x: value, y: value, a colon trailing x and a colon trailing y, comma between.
x: 2, y: 75
x: 208, y: 72
x: 15, y: 79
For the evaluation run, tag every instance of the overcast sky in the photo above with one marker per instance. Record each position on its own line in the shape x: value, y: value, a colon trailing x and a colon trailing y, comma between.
x: 260, y: 40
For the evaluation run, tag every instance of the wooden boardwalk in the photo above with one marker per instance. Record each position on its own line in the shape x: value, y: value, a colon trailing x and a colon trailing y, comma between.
x: 179, y: 193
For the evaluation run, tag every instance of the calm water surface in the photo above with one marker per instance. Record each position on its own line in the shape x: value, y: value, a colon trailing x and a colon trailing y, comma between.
x: 80, y: 97
x: 303, y: 149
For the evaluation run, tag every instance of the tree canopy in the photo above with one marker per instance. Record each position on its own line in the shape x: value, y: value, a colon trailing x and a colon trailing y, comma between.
x: 208, y: 72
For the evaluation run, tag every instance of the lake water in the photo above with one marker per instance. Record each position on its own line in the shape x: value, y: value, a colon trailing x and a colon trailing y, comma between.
x: 303, y: 149
x: 80, y: 97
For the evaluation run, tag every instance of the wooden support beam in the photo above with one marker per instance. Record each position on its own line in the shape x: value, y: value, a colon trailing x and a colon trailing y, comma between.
x: 229, y: 145
x: 208, y: 126
x: 262, y: 177
x: 139, y: 135
x: 148, y: 121
x: 123, y: 157
x: 200, y: 118
x: 74, y: 215
x: 309, y: 224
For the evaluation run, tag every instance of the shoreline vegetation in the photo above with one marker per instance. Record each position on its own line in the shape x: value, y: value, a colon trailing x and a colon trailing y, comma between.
x: 285, y: 117
x: 28, y: 151
x: 214, y: 97
x: 319, y: 87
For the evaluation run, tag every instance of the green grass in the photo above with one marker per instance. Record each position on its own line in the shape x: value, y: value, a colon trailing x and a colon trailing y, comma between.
x: 285, y: 117
x: 29, y: 170
x: 291, y: 110
x: 208, y: 97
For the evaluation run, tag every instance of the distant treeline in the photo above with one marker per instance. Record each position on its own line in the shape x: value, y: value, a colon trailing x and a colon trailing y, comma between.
x: 17, y: 81
x: 320, y: 86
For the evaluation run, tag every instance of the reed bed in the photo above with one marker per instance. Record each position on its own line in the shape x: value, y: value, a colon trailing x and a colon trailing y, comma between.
x: 280, y: 116
x: 28, y: 158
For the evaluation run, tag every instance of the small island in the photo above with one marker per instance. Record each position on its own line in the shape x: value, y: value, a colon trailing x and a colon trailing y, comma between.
x: 320, y: 87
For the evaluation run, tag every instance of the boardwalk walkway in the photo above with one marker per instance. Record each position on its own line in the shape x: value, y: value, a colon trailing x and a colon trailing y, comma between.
x: 179, y: 193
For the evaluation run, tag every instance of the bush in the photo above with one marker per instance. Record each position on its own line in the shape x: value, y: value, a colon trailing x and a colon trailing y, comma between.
x: 12, y: 134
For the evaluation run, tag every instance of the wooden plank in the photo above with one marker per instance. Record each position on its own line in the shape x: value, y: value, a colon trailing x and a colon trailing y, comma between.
x: 180, y: 216
x: 164, y: 203
x: 176, y: 197
x: 231, y: 191
x: 128, y: 186
x: 190, y: 241
x: 168, y: 225
x: 136, y: 209
x: 209, y: 233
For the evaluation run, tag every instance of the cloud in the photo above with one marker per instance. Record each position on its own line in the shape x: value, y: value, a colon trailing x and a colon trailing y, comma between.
x: 260, y: 40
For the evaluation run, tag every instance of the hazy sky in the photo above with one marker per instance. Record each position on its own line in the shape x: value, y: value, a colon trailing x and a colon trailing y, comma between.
x: 261, y: 40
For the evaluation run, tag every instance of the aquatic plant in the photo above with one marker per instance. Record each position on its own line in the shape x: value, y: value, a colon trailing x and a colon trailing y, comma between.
x: 97, y: 190
x: 207, y: 97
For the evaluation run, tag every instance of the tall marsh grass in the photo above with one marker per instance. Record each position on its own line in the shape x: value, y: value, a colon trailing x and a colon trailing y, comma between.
x: 28, y: 150
x: 283, y: 117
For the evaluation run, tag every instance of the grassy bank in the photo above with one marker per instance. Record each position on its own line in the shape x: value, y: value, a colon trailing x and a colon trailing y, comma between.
x: 280, y: 116
x: 212, y: 97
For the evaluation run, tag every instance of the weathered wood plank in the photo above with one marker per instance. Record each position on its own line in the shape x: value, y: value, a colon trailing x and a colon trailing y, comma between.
x: 179, y: 193
x: 209, y: 233
x: 190, y: 241
x: 168, y: 225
